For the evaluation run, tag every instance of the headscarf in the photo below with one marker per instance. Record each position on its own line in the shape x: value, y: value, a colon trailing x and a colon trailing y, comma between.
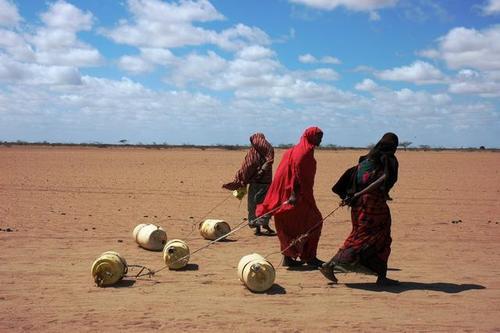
x: 382, y: 154
x: 297, y: 168
x: 260, y: 157
x: 386, y: 145
x: 308, y: 140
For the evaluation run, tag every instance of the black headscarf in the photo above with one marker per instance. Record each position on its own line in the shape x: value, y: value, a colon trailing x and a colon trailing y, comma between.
x: 383, y: 155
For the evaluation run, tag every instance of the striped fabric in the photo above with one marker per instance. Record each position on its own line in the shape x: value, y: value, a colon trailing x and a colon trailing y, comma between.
x: 257, y: 166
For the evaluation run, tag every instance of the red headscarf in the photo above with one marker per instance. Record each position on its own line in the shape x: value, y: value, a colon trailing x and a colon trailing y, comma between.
x: 296, y: 169
x: 259, y: 157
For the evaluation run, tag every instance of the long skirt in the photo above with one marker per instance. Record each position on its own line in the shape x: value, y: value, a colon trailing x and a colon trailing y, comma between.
x: 295, y: 222
x: 369, y: 242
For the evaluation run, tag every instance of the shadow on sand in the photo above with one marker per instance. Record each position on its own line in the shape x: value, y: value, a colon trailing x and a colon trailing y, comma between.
x: 125, y: 283
x: 227, y: 240
x: 189, y: 267
x: 449, y: 288
x: 276, y: 289
x: 303, y: 268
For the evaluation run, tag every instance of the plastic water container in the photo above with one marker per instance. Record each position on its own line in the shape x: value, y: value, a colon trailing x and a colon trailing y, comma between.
x: 240, y: 193
x: 256, y: 272
x: 150, y: 236
x: 176, y: 254
x: 212, y: 229
x: 108, y: 269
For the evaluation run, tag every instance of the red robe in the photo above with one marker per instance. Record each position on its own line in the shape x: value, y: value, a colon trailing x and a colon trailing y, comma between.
x: 296, y: 169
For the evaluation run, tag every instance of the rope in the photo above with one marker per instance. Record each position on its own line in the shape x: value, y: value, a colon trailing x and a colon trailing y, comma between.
x: 303, y: 236
x: 193, y: 226
x: 150, y: 272
x: 238, y: 227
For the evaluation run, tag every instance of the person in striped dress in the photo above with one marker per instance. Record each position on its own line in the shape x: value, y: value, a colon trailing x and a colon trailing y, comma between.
x: 256, y: 172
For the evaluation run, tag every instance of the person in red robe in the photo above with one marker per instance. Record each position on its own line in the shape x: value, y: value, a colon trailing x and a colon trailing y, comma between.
x: 290, y: 198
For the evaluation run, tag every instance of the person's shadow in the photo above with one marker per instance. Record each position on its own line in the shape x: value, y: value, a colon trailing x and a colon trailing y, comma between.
x: 445, y: 287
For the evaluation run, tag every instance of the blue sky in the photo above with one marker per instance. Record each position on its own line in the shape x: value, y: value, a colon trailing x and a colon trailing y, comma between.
x: 214, y: 72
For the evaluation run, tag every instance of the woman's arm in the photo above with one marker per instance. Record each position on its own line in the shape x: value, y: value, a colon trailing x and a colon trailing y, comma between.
x: 376, y: 184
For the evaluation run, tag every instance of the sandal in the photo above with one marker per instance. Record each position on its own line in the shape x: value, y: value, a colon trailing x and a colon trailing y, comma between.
x: 327, y: 271
x: 269, y: 231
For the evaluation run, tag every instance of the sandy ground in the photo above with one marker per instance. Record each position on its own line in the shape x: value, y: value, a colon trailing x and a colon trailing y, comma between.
x: 68, y: 205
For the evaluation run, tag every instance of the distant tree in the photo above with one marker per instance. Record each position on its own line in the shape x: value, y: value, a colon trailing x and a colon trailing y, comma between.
x: 482, y: 148
x: 405, y: 144
x: 425, y: 147
x: 123, y: 141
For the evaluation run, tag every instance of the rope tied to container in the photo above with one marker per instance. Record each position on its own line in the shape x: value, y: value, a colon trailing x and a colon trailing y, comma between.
x: 197, y: 223
x: 303, y: 236
x: 238, y: 227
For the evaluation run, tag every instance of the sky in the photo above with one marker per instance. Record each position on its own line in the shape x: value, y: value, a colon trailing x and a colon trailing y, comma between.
x: 214, y: 72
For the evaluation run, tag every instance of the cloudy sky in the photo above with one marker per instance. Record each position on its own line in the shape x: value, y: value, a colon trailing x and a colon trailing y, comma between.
x: 214, y: 72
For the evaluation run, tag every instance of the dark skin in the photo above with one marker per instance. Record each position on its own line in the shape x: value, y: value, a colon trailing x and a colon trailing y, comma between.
x: 293, y: 196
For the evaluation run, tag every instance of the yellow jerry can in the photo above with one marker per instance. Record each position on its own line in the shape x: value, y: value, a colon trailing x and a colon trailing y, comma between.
x: 256, y: 272
x: 176, y: 254
x: 108, y: 269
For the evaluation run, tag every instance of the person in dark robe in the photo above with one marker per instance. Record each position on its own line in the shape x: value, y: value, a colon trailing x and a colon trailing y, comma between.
x: 291, y: 199
x: 256, y: 172
x: 368, y: 246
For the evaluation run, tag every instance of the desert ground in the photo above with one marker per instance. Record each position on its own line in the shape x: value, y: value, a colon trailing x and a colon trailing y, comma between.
x: 61, y: 207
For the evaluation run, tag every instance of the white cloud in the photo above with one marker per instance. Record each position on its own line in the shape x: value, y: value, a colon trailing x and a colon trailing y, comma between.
x: 374, y: 16
x: 49, y: 54
x: 65, y: 16
x: 491, y: 7
x: 204, y: 70
x: 238, y: 37
x: 146, y: 61
x: 430, y: 53
x: 253, y: 73
x: 367, y: 85
x: 440, y: 99
x: 325, y: 74
x: 9, y: 16
x: 157, y: 55
x: 424, y: 11
x: 419, y: 72
x: 330, y: 60
x: 16, y: 46
x: 356, y: 5
x: 33, y: 74
x: 476, y: 83
x: 158, y: 24
x: 469, y: 48
x: 310, y: 59
x: 57, y: 42
x: 79, y: 57
x: 307, y: 59
x: 135, y: 65
x: 255, y: 52
x: 411, y: 110
x: 363, y: 69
